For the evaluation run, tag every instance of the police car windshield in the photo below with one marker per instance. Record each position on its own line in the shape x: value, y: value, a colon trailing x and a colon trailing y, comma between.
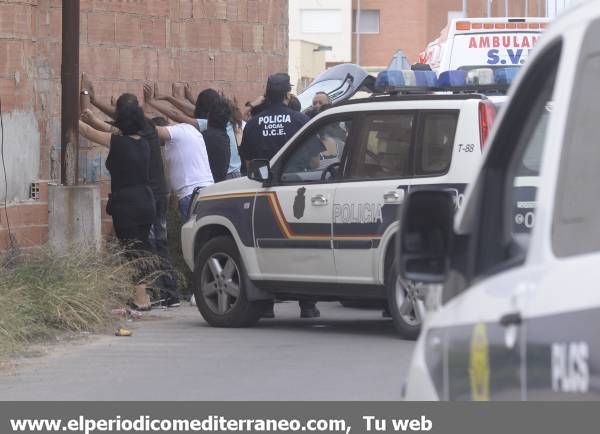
x: 335, y: 89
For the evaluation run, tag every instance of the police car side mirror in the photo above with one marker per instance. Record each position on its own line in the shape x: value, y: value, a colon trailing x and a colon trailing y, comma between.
x: 260, y: 170
x: 426, y: 236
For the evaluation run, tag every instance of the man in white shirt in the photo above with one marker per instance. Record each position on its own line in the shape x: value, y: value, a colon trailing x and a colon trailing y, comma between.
x: 187, y: 160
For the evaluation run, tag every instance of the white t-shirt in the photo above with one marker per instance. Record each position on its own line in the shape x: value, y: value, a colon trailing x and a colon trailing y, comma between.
x: 188, y: 163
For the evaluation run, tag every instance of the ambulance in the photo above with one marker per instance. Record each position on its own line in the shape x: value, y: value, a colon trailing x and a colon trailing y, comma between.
x: 483, y: 42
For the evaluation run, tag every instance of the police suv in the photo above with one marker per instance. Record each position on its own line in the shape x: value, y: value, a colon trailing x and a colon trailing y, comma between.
x: 514, y: 313
x: 319, y: 219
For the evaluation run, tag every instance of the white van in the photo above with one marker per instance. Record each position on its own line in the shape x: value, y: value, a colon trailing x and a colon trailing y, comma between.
x: 483, y: 42
x: 514, y: 314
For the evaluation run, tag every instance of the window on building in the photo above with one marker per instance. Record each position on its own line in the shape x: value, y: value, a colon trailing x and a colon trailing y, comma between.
x: 369, y: 21
x: 321, y: 21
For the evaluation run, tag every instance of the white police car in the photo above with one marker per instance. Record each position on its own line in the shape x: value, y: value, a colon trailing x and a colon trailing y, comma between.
x: 519, y: 309
x: 319, y: 219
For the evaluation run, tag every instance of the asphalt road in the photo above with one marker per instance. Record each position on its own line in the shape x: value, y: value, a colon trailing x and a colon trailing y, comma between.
x: 348, y: 354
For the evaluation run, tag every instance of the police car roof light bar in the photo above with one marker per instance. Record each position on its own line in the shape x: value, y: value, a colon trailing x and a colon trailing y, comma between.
x: 385, y: 97
x: 482, y: 80
x: 457, y: 78
x: 505, y: 75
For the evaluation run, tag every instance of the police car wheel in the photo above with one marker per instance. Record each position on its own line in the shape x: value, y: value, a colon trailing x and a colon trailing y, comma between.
x: 219, y: 286
x: 403, y: 307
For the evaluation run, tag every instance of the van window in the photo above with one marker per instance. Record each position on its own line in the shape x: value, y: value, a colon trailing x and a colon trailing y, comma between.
x: 510, y: 178
x: 384, y: 148
x: 524, y: 170
x: 577, y: 209
x: 436, y: 143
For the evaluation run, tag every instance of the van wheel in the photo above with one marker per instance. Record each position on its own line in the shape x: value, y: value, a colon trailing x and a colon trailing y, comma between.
x: 402, y: 303
x: 220, y: 282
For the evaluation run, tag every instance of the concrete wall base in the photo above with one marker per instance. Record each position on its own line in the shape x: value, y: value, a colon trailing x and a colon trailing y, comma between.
x: 74, y: 216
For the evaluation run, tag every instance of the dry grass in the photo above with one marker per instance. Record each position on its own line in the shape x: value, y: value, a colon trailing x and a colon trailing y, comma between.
x: 44, y: 292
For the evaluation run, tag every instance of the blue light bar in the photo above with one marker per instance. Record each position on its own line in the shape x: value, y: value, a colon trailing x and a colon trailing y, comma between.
x: 409, y: 78
x: 426, y: 78
x: 480, y: 77
x: 452, y: 78
x: 389, y: 79
x: 474, y: 80
x: 505, y: 75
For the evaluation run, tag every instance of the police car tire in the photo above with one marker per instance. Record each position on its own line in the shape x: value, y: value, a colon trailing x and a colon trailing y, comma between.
x: 404, y: 329
x: 244, y: 313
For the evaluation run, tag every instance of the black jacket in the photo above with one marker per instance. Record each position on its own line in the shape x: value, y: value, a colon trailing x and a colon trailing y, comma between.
x: 269, y: 130
x: 219, y: 152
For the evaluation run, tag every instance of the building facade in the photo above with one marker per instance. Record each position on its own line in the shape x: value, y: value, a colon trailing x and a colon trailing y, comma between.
x: 231, y: 45
x: 319, y: 35
x: 386, y: 26
x: 390, y: 25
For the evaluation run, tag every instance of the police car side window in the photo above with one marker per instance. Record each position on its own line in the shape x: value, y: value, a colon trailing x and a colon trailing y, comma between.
x: 384, y: 148
x: 316, y: 152
x: 436, y: 142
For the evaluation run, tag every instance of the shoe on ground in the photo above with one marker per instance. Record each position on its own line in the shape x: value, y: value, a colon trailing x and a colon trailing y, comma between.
x: 311, y: 312
x: 193, y: 300
x: 171, y: 302
x: 386, y: 313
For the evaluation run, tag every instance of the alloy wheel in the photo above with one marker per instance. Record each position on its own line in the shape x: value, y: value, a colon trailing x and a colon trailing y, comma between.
x: 407, y: 302
x: 220, y: 283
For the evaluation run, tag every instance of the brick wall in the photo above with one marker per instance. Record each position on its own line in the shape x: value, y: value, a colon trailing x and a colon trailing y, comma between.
x: 401, y: 26
x: 231, y: 45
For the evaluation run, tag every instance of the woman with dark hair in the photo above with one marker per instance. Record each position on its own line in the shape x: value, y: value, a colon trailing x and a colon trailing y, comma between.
x: 131, y: 203
x: 217, y: 141
x: 206, y: 99
x: 209, y: 99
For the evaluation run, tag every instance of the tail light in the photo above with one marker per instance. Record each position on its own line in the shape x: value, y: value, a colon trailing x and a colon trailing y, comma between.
x: 487, y: 114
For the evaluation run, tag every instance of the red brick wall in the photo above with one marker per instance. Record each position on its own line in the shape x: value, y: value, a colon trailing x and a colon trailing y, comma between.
x: 28, y: 222
x: 226, y: 44
x: 401, y: 26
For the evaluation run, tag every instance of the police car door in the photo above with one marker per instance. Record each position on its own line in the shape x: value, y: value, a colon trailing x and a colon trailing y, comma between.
x: 483, y: 327
x: 292, y: 219
x: 563, y: 313
x: 376, y: 177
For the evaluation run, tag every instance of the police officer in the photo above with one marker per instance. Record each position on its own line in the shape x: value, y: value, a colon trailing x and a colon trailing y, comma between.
x: 265, y: 134
x: 270, y: 129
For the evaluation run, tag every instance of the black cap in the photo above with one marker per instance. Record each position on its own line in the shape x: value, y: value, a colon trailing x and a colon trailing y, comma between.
x: 279, y: 82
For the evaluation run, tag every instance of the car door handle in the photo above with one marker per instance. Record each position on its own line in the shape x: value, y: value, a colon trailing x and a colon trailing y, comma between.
x: 319, y: 200
x: 511, y: 319
x: 394, y: 196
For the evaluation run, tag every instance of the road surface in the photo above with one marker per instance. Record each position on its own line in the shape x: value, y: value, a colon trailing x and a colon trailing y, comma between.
x: 348, y: 354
